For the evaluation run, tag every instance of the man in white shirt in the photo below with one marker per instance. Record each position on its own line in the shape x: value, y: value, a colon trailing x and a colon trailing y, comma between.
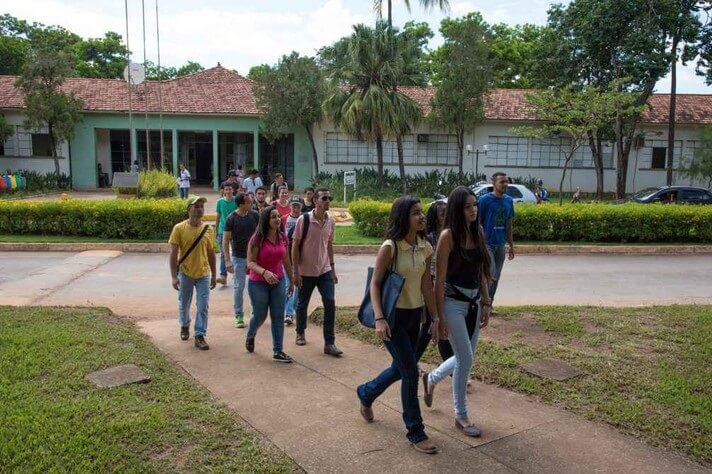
x: 253, y: 182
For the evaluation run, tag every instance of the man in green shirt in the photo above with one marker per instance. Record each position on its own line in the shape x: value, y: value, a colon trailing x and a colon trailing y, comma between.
x: 223, y: 208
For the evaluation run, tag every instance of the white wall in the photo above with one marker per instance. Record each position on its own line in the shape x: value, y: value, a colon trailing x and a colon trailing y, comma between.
x: 640, y: 174
x: 18, y: 150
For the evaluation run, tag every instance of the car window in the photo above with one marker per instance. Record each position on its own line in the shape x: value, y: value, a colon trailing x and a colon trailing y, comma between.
x: 513, y: 192
x: 484, y: 190
x: 695, y: 195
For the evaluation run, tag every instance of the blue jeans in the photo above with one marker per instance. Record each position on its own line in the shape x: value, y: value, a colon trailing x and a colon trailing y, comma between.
x: 291, y: 305
x: 223, y: 270
x: 238, y: 284
x: 404, y: 337
x: 185, y: 297
x: 325, y: 284
x: 464, y: 347
x: 184, y: 192
x: 497, y: 254
x: 264, y: 296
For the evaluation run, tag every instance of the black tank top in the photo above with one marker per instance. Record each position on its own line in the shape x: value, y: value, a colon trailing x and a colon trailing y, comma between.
x: 463, y: 272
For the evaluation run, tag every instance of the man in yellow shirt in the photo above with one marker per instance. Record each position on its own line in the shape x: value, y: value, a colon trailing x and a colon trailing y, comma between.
x: 192, y: 265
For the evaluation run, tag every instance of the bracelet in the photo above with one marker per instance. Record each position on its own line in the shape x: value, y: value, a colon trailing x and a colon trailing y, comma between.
x: 380, y: 319
x: 263, y: 272
x: 487, y: 303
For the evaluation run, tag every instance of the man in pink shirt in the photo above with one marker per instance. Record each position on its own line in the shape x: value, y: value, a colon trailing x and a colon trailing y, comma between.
x: 313, y: 262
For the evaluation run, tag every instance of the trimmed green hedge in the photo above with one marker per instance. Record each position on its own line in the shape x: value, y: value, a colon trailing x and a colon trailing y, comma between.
x: 580, y: 222
x: 110, y: 219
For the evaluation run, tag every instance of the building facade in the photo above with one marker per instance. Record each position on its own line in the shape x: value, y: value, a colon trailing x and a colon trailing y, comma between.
x: 210, y: 122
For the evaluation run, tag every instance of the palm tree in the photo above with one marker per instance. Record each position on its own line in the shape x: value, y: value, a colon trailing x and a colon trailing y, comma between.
x: 367, y: 106
x: 443, y: 5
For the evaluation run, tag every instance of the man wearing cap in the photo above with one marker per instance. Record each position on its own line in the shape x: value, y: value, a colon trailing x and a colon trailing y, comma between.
x: 288, y: 223
x: 192, y: 263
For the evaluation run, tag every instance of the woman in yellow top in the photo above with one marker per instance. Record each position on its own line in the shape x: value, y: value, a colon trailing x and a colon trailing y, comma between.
x: 406, y: 230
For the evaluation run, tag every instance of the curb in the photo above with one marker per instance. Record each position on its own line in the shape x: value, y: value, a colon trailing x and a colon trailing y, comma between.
x: 524, y: 249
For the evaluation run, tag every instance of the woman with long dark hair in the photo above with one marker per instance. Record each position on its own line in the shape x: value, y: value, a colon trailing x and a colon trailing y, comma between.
x: 461, y: 287
x: 407, y: 250
x: 267, y: 260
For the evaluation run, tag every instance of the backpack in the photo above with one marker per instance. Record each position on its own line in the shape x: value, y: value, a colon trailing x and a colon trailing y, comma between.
x: 290, y: 234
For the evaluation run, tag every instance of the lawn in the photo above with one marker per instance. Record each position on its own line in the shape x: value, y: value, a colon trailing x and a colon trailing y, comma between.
x: 647, y: 370
x: 349, y: 235
x: 53, y: 420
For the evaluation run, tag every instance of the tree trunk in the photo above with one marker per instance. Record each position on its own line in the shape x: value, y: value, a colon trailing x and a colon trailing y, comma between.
x: 315, y: 157
x: 671, y: 115
x: 460, y: 153
x: 379, y: 156
x: 563, y: 175
x: 401, y: 163
x: 390, y: 14
x: 594, y: 142
x: 53, y: 146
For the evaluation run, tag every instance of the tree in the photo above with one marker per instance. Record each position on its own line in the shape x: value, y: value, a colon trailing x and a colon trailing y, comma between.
x: 166, y: 73
x: 701, y: 166
x: 574, y: 114
x: 681, y: 21
x: 101, y: 57
x: 463, y: 76
x: 514, y: 55
x: 366, y: 103
x: 45, y: 104
x: 291, y: 94
x: 601, y: 42
x: 6, y: 130
x: 443, y: 5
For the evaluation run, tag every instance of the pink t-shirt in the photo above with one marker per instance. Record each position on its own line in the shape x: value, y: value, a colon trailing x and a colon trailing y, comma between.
x: 271, y: 257
x: 283, y: 210
x: 314, y: 259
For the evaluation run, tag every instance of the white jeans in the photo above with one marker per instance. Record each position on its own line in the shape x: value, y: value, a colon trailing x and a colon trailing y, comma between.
x: 464, y: 348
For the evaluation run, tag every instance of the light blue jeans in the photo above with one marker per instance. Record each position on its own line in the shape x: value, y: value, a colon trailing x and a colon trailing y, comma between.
x: 238, y: 284
x: 263, y: 297
x: 185, y: 297
x: 464, y: 348
x: 291, y: 306
x: 223, y: 270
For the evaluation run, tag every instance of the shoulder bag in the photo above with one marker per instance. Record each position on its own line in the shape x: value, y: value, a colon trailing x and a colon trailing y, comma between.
x: 391, y: 288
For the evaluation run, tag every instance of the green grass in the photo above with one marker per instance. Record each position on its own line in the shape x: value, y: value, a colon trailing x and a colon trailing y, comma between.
x: 647, y: 370
x: 349, y: 235
x: 66, y: 239
x: 53, y: 420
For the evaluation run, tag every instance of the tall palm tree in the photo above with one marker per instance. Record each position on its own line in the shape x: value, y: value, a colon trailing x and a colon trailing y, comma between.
x: 443, y: 5
x: 368, y: 107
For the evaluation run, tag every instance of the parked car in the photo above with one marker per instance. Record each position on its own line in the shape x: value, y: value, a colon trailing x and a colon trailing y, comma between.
x: 518, y: 192
x: 670, y: 195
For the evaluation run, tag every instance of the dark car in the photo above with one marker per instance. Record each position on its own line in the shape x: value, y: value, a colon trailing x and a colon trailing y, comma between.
x: 671, y: 195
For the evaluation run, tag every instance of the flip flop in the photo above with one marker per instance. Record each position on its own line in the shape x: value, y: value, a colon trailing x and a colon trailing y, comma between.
x: 427, y: 396
x: 469, y: 430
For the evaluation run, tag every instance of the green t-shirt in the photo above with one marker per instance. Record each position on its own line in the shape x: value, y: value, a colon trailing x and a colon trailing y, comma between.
x: 224, y: 208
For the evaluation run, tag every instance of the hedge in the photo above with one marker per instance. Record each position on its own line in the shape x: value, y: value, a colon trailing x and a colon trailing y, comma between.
x: 111, y: 219
x: 580, y: 222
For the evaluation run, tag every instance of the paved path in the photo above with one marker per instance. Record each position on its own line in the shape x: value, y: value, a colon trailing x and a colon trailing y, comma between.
x: 309, y: 409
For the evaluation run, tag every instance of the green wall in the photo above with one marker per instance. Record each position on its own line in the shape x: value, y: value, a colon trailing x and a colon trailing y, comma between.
x: 84, y: 146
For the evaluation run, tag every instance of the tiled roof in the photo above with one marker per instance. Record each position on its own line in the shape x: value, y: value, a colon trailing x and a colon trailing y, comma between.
x: 222, y: 92
x: 511, y: 104
x: 213, y: 91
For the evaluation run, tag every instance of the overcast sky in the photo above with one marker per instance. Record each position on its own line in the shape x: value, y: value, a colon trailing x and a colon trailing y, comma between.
x: 240, y: 34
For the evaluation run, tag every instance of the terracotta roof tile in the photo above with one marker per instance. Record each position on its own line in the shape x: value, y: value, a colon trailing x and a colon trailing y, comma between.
x: 222, y: 92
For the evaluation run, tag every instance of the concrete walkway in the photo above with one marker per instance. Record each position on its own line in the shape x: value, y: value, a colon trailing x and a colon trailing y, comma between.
x: 310, y: 410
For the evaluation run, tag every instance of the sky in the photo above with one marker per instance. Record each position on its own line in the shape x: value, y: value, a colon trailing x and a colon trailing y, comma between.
x: 240, y: 34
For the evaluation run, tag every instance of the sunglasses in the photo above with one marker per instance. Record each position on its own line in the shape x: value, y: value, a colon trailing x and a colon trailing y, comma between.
x: 327, y: 198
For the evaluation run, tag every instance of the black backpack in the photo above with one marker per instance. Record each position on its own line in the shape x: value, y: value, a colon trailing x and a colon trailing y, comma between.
x: 290, y: 234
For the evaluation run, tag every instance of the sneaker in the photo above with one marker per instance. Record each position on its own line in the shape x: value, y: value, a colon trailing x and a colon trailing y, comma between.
x: 184, y: 332
x: 288, y: 320
x: 201, y: 344
x: 250, y: 344
x: 282, y: 357
x: 301, y: 340
x: 239, y: 321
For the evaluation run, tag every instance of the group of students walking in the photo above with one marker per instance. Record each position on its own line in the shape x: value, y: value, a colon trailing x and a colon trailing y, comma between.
x: 451, y: 263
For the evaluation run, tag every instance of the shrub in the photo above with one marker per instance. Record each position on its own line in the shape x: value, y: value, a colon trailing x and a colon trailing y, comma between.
x: 109, y: 219
x: 41, y: 182
x: 156, y: 184
x: 580, y: 222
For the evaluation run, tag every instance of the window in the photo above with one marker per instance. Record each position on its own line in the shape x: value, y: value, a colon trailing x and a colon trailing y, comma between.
x: 2, y: 149
x: 342, y: 148
x: 659, y: 157
x: 508, y: 151
x: 695, y: 196
x: 41, y: 144
x: 439, y: 149
x: 514, y: 193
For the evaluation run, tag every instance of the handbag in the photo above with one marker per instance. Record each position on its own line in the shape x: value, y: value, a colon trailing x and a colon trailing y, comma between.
x: 391, y: 287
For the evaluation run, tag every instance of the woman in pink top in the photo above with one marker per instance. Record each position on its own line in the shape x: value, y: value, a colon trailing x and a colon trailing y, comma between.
x: 267, y: 261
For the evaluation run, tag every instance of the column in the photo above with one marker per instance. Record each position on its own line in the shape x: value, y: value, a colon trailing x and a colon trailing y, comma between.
x: 134, y: 146
x: 256, y: 149
x: 174, y: 150
x: 216, y: 167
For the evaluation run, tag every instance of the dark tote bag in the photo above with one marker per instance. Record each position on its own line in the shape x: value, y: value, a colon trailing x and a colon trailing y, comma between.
x: 391, y: 288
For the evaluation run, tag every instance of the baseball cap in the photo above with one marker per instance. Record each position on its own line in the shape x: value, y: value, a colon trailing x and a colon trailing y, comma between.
x: 231, y: 173
x: 295, y: 200
x: 193, y: 199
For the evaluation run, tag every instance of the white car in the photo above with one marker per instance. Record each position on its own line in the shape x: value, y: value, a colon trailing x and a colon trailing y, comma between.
x: 518, y: 192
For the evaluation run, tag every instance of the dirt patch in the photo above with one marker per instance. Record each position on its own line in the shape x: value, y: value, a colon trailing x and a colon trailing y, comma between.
x: 521, y: 328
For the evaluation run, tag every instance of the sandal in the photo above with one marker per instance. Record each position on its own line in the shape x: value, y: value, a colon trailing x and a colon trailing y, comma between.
x: 427, y: 396
x: 469, y: 430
